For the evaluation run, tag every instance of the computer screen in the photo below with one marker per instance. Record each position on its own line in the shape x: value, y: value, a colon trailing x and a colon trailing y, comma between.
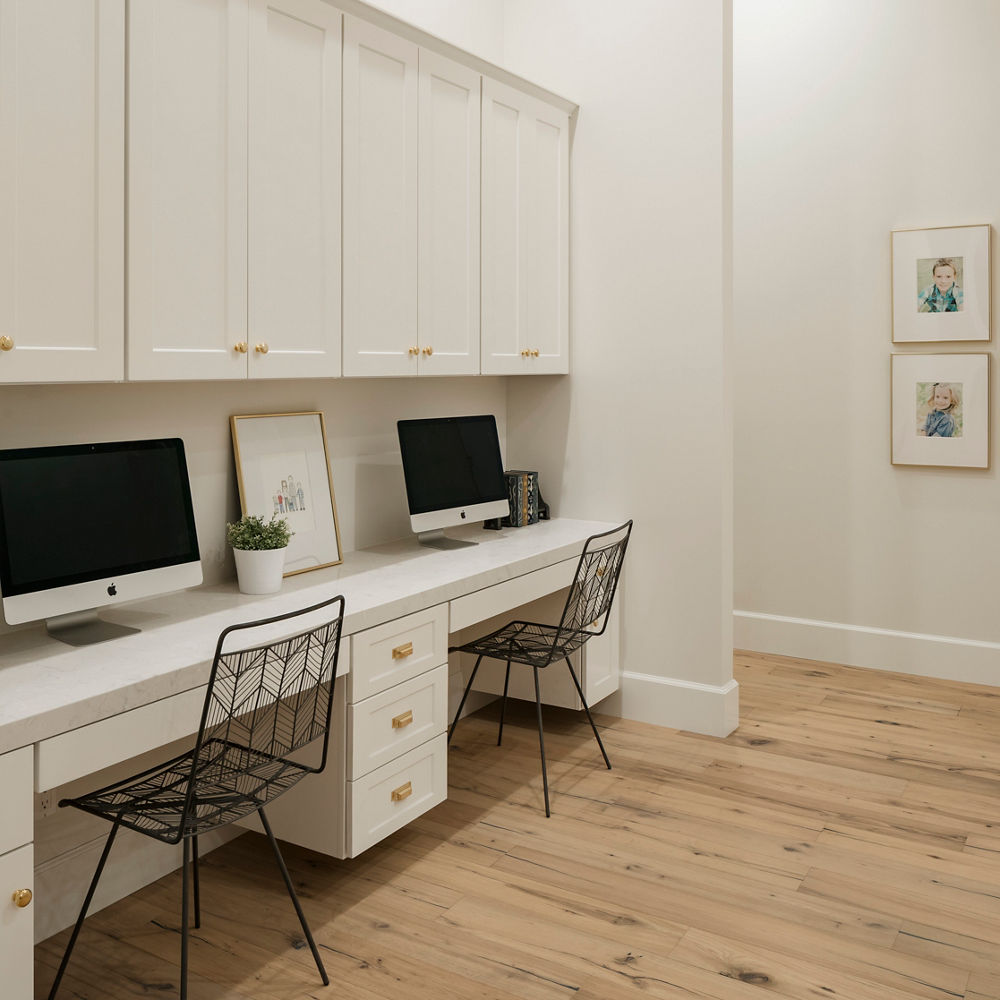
x: 82, y: 526
x: 453, y: 470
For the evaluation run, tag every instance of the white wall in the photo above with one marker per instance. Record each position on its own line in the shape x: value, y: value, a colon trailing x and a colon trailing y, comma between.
x: 641, y: 428
x: 852, y: 119
x: 473, y: 25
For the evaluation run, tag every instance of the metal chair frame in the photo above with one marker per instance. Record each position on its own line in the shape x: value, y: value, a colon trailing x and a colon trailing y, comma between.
x: 262, y: 703
x: 536, y: 645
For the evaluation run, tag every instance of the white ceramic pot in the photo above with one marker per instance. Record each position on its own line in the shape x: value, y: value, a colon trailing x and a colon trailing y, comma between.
x: 259, y: 571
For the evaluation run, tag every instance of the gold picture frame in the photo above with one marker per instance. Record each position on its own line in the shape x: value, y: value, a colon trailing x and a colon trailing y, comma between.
x: 283, y: 468
x: 940, y: 410
x: 941, y: 284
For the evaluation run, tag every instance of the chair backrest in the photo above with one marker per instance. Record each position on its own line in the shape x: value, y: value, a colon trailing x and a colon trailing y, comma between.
x: 592, y: 592
x: 273, y: 699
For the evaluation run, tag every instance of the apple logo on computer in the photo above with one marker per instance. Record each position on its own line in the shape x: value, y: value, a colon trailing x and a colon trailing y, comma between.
x: 112, y: 590
x: 463, y: 515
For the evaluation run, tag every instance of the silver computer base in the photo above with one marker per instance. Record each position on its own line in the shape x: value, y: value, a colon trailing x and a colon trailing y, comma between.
x: 439, y: 540
x: 82, y: 628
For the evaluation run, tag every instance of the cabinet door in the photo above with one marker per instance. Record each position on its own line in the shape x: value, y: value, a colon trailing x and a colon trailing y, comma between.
x: 294, y: 193
x: 187, y: 189
x: 17, y: 924
x: 380, y: 202
x: 525, y: 234
x: 448, y: 222
x: 62, y: 127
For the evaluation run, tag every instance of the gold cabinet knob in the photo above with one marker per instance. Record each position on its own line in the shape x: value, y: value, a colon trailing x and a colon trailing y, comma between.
x: 525, y: 353
x: 428, y: 351
x: 6, y: 343
x: 261, y: 348
x: 241, y: 347
x: 21, y: 897
x: 534, y: 353
x: 414, y: 351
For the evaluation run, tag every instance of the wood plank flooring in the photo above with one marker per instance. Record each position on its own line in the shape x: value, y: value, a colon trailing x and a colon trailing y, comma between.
x: 844, y: 842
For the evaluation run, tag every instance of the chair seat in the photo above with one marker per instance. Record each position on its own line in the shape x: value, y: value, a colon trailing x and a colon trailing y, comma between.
x: 531, y: 643
x: 230, y: 782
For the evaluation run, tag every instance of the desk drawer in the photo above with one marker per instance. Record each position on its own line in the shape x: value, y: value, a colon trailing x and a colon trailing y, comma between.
x: 398, y: 650
x: 15, y: 787
x: 501, y: 597
x: 388, y: 724
x: 390, y: 797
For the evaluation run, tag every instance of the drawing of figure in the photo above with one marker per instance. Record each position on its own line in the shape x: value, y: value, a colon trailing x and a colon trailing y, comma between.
x: 302, y: 498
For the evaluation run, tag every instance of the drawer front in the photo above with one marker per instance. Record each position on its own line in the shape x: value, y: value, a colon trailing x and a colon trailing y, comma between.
x: 17, y: 937
x: 90, y: 748
x: 398, y: 650
x: 501, y: 597
x: 393, y: 722
x: 387, y: 799
x: 16, y: 816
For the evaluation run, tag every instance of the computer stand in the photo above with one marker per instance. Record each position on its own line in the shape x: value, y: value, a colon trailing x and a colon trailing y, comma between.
x: 83, y: 628
x: 439, y: 540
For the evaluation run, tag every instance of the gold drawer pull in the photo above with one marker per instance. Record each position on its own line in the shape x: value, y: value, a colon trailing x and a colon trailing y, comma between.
x: 6, y: 344
x: 241, y: 347
x: 21, y: 897
x: 403, y: 792
x: 401, y: 652
x: 402, y: 721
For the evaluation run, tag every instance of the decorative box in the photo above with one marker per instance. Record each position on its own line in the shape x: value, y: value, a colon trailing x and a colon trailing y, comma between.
x: 522, y: 491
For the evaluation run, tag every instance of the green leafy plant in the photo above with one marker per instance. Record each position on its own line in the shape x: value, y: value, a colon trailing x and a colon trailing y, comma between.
x: 252, y: 532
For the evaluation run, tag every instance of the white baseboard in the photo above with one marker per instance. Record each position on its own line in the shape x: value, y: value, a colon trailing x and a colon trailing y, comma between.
x: 947, y: 657
x: 713, y: 710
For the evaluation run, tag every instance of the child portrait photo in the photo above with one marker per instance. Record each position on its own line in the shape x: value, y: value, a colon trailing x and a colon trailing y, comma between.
x: 939, y: 409
x: 941, y: 284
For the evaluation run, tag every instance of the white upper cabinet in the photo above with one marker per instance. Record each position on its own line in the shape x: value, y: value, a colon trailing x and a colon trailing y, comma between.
x: 380, y: 202
x: 234, y: 200
x: 448, y: 218
x: 294, y: 195
x: 525, y: 213
x: 187, y: 189
x: 62, y: 100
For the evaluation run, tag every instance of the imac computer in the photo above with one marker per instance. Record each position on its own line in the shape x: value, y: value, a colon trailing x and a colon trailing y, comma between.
x: 453, y: 474
x: 86, y: 526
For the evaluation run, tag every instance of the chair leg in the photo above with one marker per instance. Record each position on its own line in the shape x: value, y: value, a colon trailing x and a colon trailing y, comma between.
x: 295, y: 899
x: 541, y: 743
x: 197, y: 885
x: 503, y: 704
x: 83, y: 910
x: 586, y: 708
x: 461, y: 704
x: 184, y: 917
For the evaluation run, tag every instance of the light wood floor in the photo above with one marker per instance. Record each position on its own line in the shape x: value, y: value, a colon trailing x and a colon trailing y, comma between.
x: 843, y: 843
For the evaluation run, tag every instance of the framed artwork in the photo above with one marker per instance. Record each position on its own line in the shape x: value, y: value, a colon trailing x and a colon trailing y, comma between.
x: 940, y: 410
x: 941, y: 284
x: 282, y: 468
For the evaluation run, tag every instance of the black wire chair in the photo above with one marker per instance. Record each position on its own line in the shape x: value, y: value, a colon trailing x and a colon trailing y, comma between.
x: 588, y: 605
x: 262, y: 704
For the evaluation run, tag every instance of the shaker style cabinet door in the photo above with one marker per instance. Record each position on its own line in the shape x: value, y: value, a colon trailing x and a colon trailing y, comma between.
x: 448, y: 217
x: 187, y: 312
x: 380, y: 202
x: 294, y: 193
x: 62, y: 127
x: 525, y: 299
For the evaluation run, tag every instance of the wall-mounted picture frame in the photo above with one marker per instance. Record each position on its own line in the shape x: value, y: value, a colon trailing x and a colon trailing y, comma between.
x: 282, y: 468
x: 941, y: 410
x: 941, y: 284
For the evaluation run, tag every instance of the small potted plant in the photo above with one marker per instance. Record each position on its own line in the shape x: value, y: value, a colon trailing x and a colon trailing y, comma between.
x: 259, y: 548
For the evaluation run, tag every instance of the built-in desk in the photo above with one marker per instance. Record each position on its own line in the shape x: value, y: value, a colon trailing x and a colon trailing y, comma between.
x: 67, y: 712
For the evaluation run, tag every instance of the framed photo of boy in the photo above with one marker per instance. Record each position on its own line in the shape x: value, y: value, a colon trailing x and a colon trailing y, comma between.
x: 282, y: 468
x: 941, y: 410
x: 940, y: 284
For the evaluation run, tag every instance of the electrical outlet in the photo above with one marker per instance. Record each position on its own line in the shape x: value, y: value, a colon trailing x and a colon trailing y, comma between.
x: 46, y: 803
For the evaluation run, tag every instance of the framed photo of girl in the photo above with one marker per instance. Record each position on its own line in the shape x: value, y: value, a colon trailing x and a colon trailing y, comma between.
x: 283, y: 469
x: 941, y: 284
x: 941, y: 410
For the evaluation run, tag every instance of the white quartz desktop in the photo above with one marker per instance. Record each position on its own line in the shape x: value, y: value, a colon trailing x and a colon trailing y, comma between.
x: 47, y: 687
